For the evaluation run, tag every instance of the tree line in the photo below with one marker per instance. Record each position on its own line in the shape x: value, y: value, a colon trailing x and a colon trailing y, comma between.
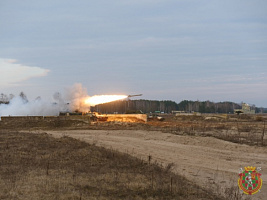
x: 152, y: 106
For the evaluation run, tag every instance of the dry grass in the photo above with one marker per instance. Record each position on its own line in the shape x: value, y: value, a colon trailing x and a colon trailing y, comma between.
x: 38, y: 166
x: 244, y: 129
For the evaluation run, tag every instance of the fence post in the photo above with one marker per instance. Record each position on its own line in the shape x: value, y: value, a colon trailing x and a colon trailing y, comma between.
x: 263, y: 132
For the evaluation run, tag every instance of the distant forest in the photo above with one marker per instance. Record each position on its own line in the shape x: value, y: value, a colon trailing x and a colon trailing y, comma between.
x: 152, y: 106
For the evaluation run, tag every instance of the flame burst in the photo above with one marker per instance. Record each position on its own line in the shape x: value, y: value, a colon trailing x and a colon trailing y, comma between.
x: 99, y: 99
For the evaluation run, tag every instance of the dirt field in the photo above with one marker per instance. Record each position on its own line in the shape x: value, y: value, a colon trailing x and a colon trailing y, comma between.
x: 206, y: 149
x: 39, y: 166
x: 210, y: 162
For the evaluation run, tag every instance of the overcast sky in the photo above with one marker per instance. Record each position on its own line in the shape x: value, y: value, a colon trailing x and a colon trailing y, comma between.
x: 166, y: 49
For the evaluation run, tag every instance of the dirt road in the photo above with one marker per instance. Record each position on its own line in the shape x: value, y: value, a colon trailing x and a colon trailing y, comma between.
x: 209, y: 162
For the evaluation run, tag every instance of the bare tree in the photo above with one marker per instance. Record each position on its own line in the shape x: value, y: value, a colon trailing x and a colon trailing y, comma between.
x: 24, y: 97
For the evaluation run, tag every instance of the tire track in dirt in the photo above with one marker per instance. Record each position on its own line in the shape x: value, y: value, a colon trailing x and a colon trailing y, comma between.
x: 210, y: 162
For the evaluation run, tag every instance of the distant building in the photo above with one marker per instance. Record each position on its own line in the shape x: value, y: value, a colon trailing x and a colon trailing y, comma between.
x: 246, y: 109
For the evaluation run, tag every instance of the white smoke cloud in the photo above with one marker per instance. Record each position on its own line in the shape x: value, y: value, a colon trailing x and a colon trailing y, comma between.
x: 76, y: 99
x: 13, y: 72
x: 76, y: 95
x: 19, y: 107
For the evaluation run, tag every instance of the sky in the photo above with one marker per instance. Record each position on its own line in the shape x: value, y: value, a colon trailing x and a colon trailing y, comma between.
x: 165, y: 49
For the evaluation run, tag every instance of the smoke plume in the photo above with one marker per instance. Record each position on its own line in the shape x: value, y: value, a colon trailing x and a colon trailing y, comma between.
x: 18, y: 107
x: 21, y: 106
x: 74, y: 99
x: 76, y: 96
